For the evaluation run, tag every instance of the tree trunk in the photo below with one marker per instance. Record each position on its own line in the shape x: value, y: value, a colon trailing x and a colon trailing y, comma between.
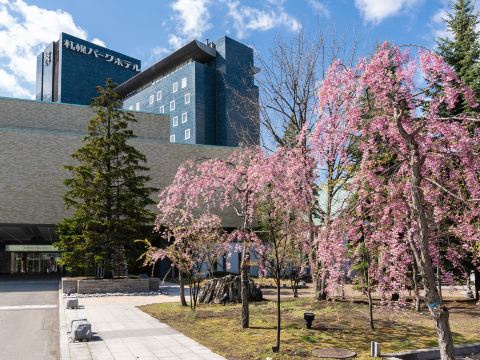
x: 182, y: 289
x: 277, y: 346
x: 317, y: 282
x: 244, y: 288
x: 477, y: 284
x: 416, y: 290
x: 320, y: 293
x: 314, y: 266
x: 439, y: 283
x: 421, y: 250
x: 424, y: 261
x: 370, y: 308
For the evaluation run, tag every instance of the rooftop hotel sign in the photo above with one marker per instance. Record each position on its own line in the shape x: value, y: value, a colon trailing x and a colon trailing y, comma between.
x: 89, y: 51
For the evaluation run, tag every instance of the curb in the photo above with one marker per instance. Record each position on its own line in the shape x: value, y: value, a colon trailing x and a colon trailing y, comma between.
x: 433, y: 353
x: 62, y: 333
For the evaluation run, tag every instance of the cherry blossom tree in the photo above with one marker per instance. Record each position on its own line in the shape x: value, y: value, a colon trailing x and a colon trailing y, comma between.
x: 148, y: 256
x: 282, y: 203
x: 214, y: 185
x: 417, y: 168
x: 333, y: 146
x: 273, y: 189
x: 189, y: 242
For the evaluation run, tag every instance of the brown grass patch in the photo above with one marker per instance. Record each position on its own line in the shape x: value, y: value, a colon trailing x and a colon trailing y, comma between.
x: 337, y: 324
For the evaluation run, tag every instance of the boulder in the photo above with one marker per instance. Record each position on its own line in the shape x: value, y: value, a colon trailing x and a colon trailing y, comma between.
x: 213, y: 290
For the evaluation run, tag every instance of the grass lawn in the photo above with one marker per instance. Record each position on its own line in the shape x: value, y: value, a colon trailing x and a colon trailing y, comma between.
x: 337, y: 324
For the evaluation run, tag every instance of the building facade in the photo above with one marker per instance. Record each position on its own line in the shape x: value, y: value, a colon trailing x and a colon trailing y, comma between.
x: 198, y: 102
x: 36, y: 141
x: 207, y: 90
x: 70, y: 69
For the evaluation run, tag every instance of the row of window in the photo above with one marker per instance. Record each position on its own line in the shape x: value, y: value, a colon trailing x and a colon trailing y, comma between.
x: 184, y: 119
x: 174, y: 90
x: 162, y: 108
x: 172, y: 104
x: 187, y: 136
x: 176, y: 69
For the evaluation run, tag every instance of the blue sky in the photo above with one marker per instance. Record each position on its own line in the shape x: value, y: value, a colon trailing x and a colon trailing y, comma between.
x: 150, y: 29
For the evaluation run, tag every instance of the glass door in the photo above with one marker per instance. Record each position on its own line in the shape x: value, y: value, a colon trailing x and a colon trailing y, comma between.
x: 20, y: 261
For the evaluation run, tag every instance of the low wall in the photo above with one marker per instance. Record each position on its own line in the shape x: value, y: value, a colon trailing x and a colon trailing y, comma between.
x: 433, y: 353
x: 99, y: 286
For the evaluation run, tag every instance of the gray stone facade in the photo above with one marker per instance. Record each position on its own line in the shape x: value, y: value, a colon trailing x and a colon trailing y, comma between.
x: 37, y: 139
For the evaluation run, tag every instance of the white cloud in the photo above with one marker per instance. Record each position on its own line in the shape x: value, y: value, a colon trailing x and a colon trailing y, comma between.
x: 247, y: 18
x: 175, y: 41
x: 319, y: 8
x: 376, y: 11
x: 190, y: 19
x: 160, y: 51
x: 193, y: 20
x: 98, y: 42
x: 439, y: 28
x: 9, y: 85
x: 24, y: 32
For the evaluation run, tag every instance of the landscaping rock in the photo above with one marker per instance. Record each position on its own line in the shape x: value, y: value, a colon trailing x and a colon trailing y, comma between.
x: 214, y: 290
x: 81, y: 330
x: 72, y: 303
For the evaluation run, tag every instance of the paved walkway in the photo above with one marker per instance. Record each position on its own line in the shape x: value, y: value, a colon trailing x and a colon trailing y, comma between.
x: 122, y: 331
x: 28, y: 318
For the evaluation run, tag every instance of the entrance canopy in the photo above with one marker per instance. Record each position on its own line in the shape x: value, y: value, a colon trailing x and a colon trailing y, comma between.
x: 27, y: 234
x: 28, y: 249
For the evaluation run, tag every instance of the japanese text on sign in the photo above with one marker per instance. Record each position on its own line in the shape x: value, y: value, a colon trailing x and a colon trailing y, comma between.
x: 83, y: 49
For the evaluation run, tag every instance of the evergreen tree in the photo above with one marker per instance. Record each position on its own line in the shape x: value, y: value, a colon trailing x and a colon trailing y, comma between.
x: 107, y: 193
x: 462, y: 50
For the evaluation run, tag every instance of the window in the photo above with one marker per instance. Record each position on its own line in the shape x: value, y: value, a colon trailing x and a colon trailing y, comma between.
x: 162, y: 109
x: 175, y: 120
x: 130, y: 107
x: 172, y: 138
x: 172, y: 105
x: 137, y: 106
x: 187, y: 98
x: 159, y: 95
x: 175, y: 86
x: 151, y: 100
x: 184, y: 83
x: 187, y: 134
x: 184, y: 118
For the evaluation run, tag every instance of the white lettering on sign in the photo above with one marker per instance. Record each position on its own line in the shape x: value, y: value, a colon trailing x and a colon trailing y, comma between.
x: 82, y: 49
x: 47, y: 57
x: 44, y: 248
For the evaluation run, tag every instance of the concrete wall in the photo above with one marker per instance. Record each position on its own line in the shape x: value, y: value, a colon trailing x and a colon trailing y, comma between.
x: 37, y: 139
x: 102, y: 286
x: 26, y: 114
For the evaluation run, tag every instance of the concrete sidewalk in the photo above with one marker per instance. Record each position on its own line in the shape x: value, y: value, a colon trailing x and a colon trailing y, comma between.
x: 122, y: 331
